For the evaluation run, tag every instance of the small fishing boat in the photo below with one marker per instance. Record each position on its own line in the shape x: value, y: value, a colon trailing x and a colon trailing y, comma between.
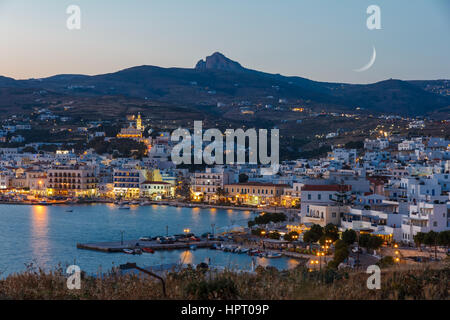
x: 148, y: 250
x: 245, y: 250
x: 193, y: 247
x: 128, y: 251
x: 273, y: 255
x: 123, y: 207
x: 261, y: 254
x: 137, y: 251
x: 69, y: 210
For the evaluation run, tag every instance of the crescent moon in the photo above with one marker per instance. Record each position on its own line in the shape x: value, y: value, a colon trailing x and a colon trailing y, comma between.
x: 370, y: 64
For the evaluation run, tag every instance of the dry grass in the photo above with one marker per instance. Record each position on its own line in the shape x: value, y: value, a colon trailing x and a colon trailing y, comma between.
x: 421, y: 282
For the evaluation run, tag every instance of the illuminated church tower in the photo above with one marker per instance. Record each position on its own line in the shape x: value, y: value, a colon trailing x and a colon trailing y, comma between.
x: 139, y: 123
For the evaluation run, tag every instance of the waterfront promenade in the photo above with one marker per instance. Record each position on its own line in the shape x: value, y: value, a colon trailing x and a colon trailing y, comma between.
x: 118, y: 246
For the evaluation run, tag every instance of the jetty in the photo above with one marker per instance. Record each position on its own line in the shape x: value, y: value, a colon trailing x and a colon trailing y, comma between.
x: 118, y: 246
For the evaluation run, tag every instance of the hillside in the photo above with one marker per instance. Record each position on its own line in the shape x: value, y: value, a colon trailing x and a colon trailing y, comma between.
x: 219, y: 79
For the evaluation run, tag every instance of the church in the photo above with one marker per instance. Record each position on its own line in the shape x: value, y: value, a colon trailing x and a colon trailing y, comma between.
x: 132, y: 132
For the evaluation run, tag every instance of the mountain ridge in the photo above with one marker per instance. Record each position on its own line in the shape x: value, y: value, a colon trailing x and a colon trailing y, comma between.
x: 219, y: 79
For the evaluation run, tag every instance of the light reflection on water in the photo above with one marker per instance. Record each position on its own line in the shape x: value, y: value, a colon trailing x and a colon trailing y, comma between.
x: 39, y: 234
x: 47, y: 235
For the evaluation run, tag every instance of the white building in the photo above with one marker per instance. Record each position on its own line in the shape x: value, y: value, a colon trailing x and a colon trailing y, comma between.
x: 425, y: 217
x: 205, y: 184
x: 320, y: 195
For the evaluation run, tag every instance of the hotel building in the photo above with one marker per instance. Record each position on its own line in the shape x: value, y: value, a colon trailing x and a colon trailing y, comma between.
x: 255, y: 193
x: 77, y: 181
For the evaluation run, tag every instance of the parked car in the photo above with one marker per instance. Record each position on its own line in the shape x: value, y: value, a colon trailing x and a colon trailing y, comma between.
x: 164, y: 240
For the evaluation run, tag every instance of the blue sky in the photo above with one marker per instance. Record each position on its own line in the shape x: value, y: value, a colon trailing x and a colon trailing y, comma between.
x: 322, y: 40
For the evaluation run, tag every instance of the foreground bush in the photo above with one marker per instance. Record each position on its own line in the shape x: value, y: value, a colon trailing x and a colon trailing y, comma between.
x: 421, y: 282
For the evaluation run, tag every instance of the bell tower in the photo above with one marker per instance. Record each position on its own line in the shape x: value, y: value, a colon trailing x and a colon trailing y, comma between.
x: 139, y: 123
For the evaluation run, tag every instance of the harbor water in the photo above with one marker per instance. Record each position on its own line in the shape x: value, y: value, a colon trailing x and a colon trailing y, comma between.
x: 46, y: 236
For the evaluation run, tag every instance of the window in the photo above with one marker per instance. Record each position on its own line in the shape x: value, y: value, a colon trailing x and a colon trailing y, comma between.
x: 309, y: 196
x: 319, y: 196
x: 333, y: 214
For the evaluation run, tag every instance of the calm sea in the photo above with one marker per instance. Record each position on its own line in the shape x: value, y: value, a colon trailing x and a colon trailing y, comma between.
x: 47, y: 236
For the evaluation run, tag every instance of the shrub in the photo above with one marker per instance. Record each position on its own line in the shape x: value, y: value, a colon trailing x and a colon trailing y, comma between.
x: 385, y: 262
x: 216, y: 289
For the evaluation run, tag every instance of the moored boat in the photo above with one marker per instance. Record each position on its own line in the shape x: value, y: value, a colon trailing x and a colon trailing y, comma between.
x: 148, y: 250
x: 128, y: 251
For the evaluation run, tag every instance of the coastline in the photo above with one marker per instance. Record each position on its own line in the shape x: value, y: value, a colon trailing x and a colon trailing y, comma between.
x: 151, y: 203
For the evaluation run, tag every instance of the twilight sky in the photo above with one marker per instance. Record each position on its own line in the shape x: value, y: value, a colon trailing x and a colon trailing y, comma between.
x: 322, y: 40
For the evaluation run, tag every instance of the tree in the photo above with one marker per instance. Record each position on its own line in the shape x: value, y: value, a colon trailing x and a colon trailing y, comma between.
x: 339, y: 244
x: 314, y: 234
x: 269, y: 217
x: 419, y: 238
x: 370, y: 242
x: 221, y: 193
x: 29, y: 150
x: 243, y: 178
x: 340, y: 254
x: 364, y: 240
x: 184, y: 190
x: 291, y: 236
x: 431, y: 239
x: 274, y: 235
x: 349, y: 236
x: 258, y: 231
x: 444, y: 238
x: 331, y: 232
x: 375, y: 242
